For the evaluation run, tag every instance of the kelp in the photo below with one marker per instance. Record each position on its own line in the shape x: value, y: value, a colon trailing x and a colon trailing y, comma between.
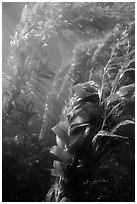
x: 82, y: 19
x: 89, y: 113
x: 93, y: 161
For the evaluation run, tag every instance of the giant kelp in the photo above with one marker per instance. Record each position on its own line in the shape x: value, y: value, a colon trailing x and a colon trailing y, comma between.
x: 118, y: 14
x: 86, y: 119
x: 95, y: 149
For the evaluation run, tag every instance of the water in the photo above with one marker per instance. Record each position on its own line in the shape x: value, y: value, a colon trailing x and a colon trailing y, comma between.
x: 71, y: 66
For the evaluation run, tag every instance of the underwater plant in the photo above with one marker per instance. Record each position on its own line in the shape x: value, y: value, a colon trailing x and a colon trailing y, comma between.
x: 94, y: 152
x: 68, y: 130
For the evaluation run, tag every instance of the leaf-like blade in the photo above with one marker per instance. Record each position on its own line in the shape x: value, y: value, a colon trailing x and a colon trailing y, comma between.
x: 112, y: 97
x: 77, y: 129
x: 64, y: 199
x: 123, y: 123
x: 60, y: 153
x: 57, y: 173
x: 82, y: 119
x: 24, y: 14
x: 73, y: 112
x: 127, y: 77
x: 125, y: 128
x: 125, y: 90
x: 77, y: 144
x: 83, y: 94
x: 107, y: 134
x: 60, y: 142
x: 61, y: 131
x: 58, y: 165
x: 72, y: 139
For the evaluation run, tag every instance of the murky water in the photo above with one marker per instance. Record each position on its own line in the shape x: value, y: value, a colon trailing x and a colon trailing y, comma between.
x: 66, y: 99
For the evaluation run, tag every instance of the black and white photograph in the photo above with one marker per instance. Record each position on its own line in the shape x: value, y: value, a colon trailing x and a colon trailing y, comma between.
x: 68, y: 101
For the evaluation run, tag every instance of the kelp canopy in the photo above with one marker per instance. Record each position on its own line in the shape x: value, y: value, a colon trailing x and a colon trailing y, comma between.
x: 88, y: 116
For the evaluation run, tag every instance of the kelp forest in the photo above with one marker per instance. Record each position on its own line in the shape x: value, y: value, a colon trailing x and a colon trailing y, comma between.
x: 68, y: 113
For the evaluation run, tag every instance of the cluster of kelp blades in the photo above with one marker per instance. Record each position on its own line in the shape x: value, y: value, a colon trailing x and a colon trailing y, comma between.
x: 94, y: 155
